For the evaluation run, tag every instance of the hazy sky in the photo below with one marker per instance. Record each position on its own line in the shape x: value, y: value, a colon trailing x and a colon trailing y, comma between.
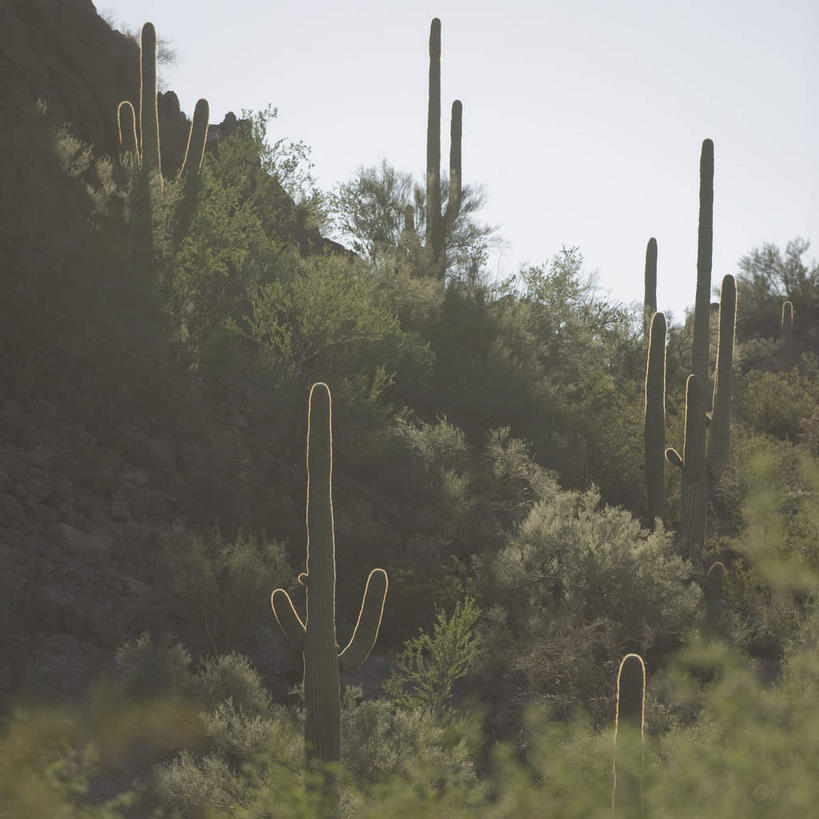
x: 583, y: 121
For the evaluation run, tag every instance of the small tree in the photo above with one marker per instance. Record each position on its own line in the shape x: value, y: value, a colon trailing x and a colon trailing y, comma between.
x: 425, y: 671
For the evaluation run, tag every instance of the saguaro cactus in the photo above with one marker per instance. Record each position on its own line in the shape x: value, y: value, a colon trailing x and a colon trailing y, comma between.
x: 146, y: 143
x: 788, y: 343
x: 655, y: 417
x: 705, y: 241
x: 712, y: 591
x: 650, y: 299
x: 315, y: 637
x: 694, y: 474
x: 719, y: 433
x: 148, y: 109
x: 437, y: 223
x: 629, y: 737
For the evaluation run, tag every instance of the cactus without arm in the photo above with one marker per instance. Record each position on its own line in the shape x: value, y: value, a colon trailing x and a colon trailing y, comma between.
x: 629, y: 737
x: 788, y: 343
x: 316, y: 636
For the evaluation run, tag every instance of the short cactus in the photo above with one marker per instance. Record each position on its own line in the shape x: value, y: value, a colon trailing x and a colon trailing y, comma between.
x: 629, y: 737
x: 788, y: 341
x: 315, y: 637
x: 655, y: 417
x: 712, y: 591
x: 437, y: 223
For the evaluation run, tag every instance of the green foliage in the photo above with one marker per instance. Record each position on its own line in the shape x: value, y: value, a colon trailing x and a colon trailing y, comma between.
x: 581, y: 586
x: 778, y: 404
x: 213, y: 591
x: 425, y: 671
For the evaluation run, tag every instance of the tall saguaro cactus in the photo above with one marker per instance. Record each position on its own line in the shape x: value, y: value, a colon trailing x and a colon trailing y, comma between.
x: 315, y: 637
x: 148, y: 109
x: 705, y: 242
x: 438, y: 223
x: 655, y: 417
x: 629, y: 737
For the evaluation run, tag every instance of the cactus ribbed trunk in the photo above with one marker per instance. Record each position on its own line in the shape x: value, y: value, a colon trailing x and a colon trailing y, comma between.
x: 650, y: 298
x: 719, y: 435
x: 655, y: 418
x: 322, y: 674
x: 433, y: 205
x: 148, y: 109
x: 694, y: 501
x: 629, y: 724
x: 705, y: 241
x: 788, y: 342
x: 316, y: 636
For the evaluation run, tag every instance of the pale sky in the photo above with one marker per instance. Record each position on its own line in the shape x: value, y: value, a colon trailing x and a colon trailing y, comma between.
x: 583, y: 121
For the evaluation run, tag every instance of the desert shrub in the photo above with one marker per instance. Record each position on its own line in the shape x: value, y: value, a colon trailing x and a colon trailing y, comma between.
x: 777, y: 403
x: 425, y: 671
x: 583, y: 585
x: 214, y: 592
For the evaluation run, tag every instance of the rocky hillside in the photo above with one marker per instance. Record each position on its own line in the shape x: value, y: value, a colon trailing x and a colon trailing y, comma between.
x: 63, y: 53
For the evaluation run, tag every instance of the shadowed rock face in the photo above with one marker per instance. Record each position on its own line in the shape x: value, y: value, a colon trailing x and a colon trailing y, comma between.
x: 63, y: 52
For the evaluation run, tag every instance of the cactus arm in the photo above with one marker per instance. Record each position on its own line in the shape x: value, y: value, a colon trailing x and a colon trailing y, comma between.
x: 289, y: 621
x: 673, y: 457
x: 197, y: 137
x: 148, y: 109
x: 126, y: 128
x: 650, y: 300
x: 369, y: 621
x: 453, y: 205
x: 705, y: 241
x: 655, y: 417
x: 719, y: 439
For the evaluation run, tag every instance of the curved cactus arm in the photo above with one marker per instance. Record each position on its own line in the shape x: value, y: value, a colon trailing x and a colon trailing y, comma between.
x: 673, y: 457
x: 126, y: 127
x: 288, y: 619
x: 197, y: 137
x: 369, y: 621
